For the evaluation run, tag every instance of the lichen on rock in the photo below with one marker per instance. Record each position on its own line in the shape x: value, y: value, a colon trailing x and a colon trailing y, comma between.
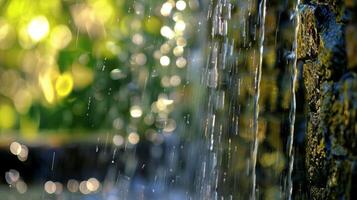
x: 331, y: 98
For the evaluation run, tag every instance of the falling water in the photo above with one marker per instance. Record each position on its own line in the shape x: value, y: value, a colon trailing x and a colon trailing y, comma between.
x: 257, y: 80
x: 220, y: 45
x: 292, y: 112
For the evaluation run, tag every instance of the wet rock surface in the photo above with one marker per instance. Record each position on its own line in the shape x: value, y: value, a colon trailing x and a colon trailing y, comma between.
x: 331, y: 100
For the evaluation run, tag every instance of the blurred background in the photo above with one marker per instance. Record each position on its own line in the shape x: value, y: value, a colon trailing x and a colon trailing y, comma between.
x: 82, y: 83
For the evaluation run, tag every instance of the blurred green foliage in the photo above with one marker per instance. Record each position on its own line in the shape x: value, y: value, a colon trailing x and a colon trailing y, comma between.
x: 91, y: 64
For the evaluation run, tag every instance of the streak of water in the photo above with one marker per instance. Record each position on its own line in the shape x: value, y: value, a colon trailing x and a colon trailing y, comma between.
x: 258, y: 74
x: 53, y: 160
x: 292, y: 112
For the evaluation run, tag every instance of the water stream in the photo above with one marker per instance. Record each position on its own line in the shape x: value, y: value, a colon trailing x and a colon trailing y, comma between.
x: 292, y: 112
x: 224, y: 73
x: 258, y: 75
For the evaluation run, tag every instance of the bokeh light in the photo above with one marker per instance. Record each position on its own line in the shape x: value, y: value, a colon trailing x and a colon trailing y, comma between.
x: 64, y: 84
x: 38, y: 28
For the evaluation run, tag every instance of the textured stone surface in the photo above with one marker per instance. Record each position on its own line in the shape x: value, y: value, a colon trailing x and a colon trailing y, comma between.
x: 331, y: 99
x: 308, y: 37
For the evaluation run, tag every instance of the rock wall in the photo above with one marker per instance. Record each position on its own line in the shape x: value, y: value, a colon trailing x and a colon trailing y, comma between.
x: 331, y: 93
